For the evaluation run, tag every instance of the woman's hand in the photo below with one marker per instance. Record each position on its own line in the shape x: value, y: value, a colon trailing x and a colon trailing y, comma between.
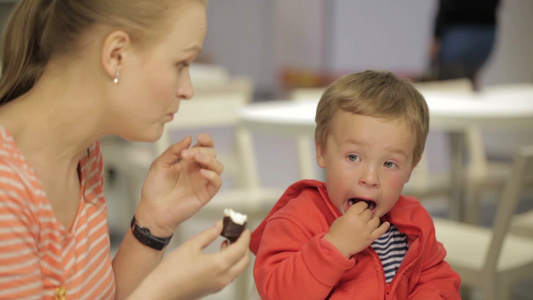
x: 189, y: 273
x: 178, y: 184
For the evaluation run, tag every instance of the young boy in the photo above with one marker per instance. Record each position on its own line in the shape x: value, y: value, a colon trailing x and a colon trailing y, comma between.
x: 355, y: 236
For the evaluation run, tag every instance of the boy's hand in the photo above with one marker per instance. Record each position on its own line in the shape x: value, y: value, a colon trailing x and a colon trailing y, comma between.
x: 355, y: 230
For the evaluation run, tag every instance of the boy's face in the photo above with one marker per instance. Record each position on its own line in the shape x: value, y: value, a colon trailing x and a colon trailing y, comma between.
x: 366, y: 158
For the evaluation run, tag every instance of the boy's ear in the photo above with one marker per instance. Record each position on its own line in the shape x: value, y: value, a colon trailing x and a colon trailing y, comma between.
x: 114, y: 52
x: 320, y: 159
x: 415, y: 163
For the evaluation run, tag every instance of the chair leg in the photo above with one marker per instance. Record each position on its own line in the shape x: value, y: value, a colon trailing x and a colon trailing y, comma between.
x: 503, y: 291
x: 473, y: 205
x: 488, y: 292
x: 243, y: 284
x: 499, y: 289
x: 466, y: 293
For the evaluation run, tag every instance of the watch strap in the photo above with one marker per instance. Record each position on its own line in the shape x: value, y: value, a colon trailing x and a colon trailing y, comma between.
x: 143, y: 235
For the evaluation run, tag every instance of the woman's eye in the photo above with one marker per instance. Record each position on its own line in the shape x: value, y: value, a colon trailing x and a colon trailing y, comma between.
x: 353, y: 157
x: 389, y: 164
x: 182, y: 66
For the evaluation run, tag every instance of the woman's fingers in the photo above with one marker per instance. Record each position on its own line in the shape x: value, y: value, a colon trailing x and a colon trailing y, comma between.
x: 236, y: 251
x: 235, y: 256
x: 206, y: 237
x: 205, y: 157
x: 204, y: 140
x: 213, y: 178
x: 239, y: 267
x: 173, y: 153
x: 224, y: 245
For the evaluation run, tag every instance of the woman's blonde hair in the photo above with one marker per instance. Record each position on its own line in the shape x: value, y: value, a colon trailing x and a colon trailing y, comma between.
x: 374, y: 94
x: 38, y: 30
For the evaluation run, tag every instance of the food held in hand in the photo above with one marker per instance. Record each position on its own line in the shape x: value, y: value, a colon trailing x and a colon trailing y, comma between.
x: 234, y: 224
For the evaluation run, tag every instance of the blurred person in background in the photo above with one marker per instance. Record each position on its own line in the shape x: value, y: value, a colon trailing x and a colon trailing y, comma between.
x: 463, y: 38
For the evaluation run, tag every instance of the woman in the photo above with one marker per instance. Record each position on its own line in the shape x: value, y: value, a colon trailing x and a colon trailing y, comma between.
x: 74, y: 71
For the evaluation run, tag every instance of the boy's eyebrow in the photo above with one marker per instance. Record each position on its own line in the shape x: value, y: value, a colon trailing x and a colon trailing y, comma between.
x: 400, y: 151
x: 352, y: 141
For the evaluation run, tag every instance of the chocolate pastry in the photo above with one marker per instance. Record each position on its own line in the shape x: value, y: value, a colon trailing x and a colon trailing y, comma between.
x: 234, y: 224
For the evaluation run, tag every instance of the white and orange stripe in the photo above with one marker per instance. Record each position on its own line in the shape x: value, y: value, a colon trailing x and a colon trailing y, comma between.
x: 38, y: 256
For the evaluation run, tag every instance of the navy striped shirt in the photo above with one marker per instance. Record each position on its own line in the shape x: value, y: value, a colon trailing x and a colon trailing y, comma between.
x: 391, y: 248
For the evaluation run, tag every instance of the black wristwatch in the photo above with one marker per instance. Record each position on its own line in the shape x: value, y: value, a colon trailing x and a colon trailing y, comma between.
x: 144, y: 236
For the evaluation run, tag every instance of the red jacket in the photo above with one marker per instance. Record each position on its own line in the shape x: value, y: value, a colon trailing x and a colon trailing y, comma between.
x: 294, y: 262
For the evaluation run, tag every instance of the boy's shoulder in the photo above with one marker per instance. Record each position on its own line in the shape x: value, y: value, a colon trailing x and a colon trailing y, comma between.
x: 301, y: 207
x: 303, y: 199
x: 409, y: 209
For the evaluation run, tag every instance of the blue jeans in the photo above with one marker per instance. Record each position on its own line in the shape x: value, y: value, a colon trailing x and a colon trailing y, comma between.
x: 464, y: 49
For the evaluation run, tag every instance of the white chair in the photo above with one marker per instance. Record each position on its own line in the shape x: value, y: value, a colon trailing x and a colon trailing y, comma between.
x: 254, y: 294
x: 208, y: 76
x: 522, y: 224
x: 492, y: 259
x: 481, y: 175
x: 309, y: 93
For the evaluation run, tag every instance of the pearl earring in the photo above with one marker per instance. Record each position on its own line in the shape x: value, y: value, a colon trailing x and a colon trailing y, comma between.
x: 115, y: 80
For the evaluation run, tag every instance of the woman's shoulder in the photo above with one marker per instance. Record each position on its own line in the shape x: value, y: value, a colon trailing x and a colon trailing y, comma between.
x: 15, y: 171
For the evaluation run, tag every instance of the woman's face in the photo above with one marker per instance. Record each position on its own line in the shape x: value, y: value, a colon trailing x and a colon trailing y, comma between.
x: 155, y: 80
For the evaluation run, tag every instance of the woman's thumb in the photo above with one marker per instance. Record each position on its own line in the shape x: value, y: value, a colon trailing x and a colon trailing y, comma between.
x: 172, y: 154
x: 206, y: 237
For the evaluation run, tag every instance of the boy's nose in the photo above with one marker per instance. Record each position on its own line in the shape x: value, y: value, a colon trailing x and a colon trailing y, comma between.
x: 369, y: 177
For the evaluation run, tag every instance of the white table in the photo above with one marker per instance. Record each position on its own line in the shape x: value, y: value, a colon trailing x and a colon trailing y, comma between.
x: 450, y: 111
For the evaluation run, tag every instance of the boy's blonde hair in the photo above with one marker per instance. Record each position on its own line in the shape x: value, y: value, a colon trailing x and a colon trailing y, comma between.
x: 374, y: 94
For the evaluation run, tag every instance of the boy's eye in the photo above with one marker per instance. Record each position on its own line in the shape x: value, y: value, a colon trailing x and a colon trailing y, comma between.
x: 353, y: 157
x: 389, y: 164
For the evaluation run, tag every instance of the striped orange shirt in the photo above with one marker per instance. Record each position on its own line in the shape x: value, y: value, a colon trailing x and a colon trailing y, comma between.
x: 39, y: 258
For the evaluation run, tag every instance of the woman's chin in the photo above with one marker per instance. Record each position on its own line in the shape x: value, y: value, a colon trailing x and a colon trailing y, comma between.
x: 146, y: 136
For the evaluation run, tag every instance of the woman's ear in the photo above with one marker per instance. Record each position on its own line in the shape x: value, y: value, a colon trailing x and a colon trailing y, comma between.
x: 114, y: 52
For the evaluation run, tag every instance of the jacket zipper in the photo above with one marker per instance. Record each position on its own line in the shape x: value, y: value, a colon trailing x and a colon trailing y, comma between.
x: 388, y: 286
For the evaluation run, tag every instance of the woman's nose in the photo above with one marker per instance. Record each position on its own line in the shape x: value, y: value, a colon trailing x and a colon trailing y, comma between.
x: 185, y: 88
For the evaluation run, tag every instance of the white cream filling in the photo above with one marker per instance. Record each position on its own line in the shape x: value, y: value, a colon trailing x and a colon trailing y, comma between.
x: 237, y: 218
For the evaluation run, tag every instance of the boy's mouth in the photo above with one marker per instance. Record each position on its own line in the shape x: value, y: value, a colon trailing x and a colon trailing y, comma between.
x: 371, y: 204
